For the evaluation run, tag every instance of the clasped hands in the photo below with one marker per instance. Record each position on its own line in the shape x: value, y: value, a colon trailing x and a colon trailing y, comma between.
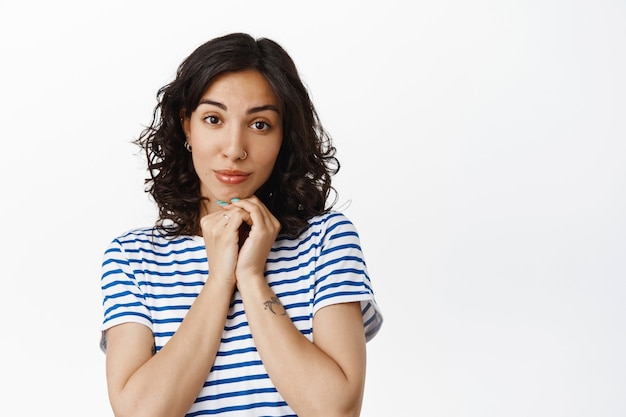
x: 238, y: 239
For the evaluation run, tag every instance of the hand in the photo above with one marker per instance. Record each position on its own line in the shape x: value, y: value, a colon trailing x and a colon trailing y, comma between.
x: 255, y: 247
x: 221, y: 236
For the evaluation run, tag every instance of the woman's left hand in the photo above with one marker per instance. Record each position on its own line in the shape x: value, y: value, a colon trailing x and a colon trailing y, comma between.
x: 255, y: 248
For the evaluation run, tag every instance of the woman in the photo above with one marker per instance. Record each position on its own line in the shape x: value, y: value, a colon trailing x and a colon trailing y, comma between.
x: 250, y: 296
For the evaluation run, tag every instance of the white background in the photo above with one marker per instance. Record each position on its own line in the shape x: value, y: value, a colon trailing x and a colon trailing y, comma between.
x: 484, y: 163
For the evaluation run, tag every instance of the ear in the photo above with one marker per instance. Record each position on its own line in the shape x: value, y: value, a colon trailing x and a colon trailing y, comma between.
x: 184, y: 122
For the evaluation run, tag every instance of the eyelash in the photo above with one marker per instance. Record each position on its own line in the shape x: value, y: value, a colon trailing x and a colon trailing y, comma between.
x: 265, y: 127
x: 214, y: 120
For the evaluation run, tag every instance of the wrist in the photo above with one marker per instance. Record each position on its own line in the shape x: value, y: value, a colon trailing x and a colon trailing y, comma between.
x: 221, y: 284
x: 249, y: 282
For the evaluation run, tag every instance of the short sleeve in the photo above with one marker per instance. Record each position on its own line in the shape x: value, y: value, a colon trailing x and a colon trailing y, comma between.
x: 122, y: 297
x: 341, y: 273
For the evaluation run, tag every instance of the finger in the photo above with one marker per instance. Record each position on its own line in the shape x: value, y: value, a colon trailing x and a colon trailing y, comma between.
x: 239, y: 214
x: 264, y: 227
x: 259, y: 213
x: 219, y: 222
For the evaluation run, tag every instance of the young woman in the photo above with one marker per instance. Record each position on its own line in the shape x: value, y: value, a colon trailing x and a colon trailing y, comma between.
x: 250, y: 295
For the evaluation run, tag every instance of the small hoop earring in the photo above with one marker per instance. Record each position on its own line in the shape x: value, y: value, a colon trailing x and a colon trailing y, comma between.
x: 187, y: 146
x: 245, y: 155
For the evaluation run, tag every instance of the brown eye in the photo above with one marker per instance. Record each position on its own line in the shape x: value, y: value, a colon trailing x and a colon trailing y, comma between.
x: 213, y: 120
x: 260, y: 125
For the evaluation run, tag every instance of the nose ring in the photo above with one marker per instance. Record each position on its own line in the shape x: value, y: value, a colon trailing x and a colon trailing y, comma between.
x: 244, y: 156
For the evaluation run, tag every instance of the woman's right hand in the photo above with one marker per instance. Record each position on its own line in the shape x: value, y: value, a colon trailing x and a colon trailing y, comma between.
x: 221, y: 238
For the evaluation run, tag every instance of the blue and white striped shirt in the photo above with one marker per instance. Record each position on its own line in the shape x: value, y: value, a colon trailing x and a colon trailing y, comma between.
x: 153, y: 280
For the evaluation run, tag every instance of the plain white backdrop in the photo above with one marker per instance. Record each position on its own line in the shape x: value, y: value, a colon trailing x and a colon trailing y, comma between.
x: 483, y: 146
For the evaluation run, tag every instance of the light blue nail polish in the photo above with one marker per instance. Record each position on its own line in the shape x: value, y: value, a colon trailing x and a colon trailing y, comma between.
x: 234, y: 200
x: 222, y: 203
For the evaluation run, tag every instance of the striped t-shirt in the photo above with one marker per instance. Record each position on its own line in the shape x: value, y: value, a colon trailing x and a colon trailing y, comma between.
x: 153, y: 280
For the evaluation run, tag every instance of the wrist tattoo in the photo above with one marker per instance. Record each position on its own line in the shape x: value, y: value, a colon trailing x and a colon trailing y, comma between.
x: 269, y: 305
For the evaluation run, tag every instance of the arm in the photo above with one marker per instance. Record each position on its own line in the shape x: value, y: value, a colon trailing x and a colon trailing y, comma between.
x: 167, y: 383
x: 324, y: 378
x: 141, y: 383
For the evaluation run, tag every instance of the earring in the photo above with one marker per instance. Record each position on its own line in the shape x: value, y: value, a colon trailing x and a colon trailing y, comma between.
x: 187, y: 146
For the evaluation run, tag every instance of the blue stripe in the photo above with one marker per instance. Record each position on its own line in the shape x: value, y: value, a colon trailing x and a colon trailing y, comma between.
x: 114, y: 283
x: 163, y: 334
x: 338, y: 271
x: 236, y: 365
x: 115, y: 260
x: 116, y: 306
x: 153, y: 241
x: 326, y: 287
x: 237, y: 326
x: 164, y: 254
x: 171, y: 284
x: 126, y: 313
x: 118, y: 295
x: 235, y: 394
x: 341, y: 248
x: 237, y: 408
x: 338, y: 294
x: 237, y: 338
x: 176, y: 295
x: 169, y: 320
x: 116, y: 271
x: 112, y: 250
x: 344, y: 234
x: 296, y: 292
x: 172, y: 273
x: 174, y: 262
x: 176, y: 307
x: 236, y: 351
x: 237, y: 379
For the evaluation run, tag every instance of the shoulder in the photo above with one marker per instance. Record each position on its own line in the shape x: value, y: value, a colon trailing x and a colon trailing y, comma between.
x: 137, y: 235
x: 322, y: 230
x: 331, y: 226
x: 149, y: 237
x: 328, y: 222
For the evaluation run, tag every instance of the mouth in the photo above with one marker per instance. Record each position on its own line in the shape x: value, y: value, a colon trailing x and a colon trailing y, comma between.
x: 228, y: 176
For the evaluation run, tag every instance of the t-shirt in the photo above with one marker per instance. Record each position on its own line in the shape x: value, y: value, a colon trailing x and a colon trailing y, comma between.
x: 153, y: 280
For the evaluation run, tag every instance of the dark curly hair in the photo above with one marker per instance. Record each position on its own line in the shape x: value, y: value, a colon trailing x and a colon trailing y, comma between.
x: 299, y: 186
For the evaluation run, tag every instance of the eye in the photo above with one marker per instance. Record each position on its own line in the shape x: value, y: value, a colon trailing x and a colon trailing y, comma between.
x: 212, y: 120
x: 261, y: 125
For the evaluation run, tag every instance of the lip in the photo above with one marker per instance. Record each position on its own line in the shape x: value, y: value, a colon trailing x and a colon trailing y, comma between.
x: 231, y: 176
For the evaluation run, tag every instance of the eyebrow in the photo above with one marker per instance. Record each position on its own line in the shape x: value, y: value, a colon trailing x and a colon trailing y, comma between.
x: 250, y: 111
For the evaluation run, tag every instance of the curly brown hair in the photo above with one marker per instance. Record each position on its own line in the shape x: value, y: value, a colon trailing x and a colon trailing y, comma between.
x: 300, y: 184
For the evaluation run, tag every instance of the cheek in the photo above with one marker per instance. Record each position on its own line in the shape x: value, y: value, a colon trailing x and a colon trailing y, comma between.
x: 202, y: 159
x: 268, y: 156
x: 203, y: 148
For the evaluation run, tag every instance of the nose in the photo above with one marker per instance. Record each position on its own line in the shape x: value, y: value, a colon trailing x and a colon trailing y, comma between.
x: 234, y: 142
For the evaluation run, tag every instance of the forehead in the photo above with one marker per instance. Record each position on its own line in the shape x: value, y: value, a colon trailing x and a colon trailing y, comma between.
x: 241, y: 86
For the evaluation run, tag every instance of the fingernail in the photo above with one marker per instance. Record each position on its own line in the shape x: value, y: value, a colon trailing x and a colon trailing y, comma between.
x: 234, y: 200
x: 222, y: 203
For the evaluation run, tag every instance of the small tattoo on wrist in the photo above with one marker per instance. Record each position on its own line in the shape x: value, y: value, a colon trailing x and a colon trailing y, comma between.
x: 269, y: 305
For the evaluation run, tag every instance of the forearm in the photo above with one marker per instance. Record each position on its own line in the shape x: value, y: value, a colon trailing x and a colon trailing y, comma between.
x: 310, y: 380
x: 169, y: 382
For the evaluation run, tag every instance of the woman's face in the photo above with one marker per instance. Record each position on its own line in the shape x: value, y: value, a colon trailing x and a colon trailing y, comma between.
x: 235, y: 134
